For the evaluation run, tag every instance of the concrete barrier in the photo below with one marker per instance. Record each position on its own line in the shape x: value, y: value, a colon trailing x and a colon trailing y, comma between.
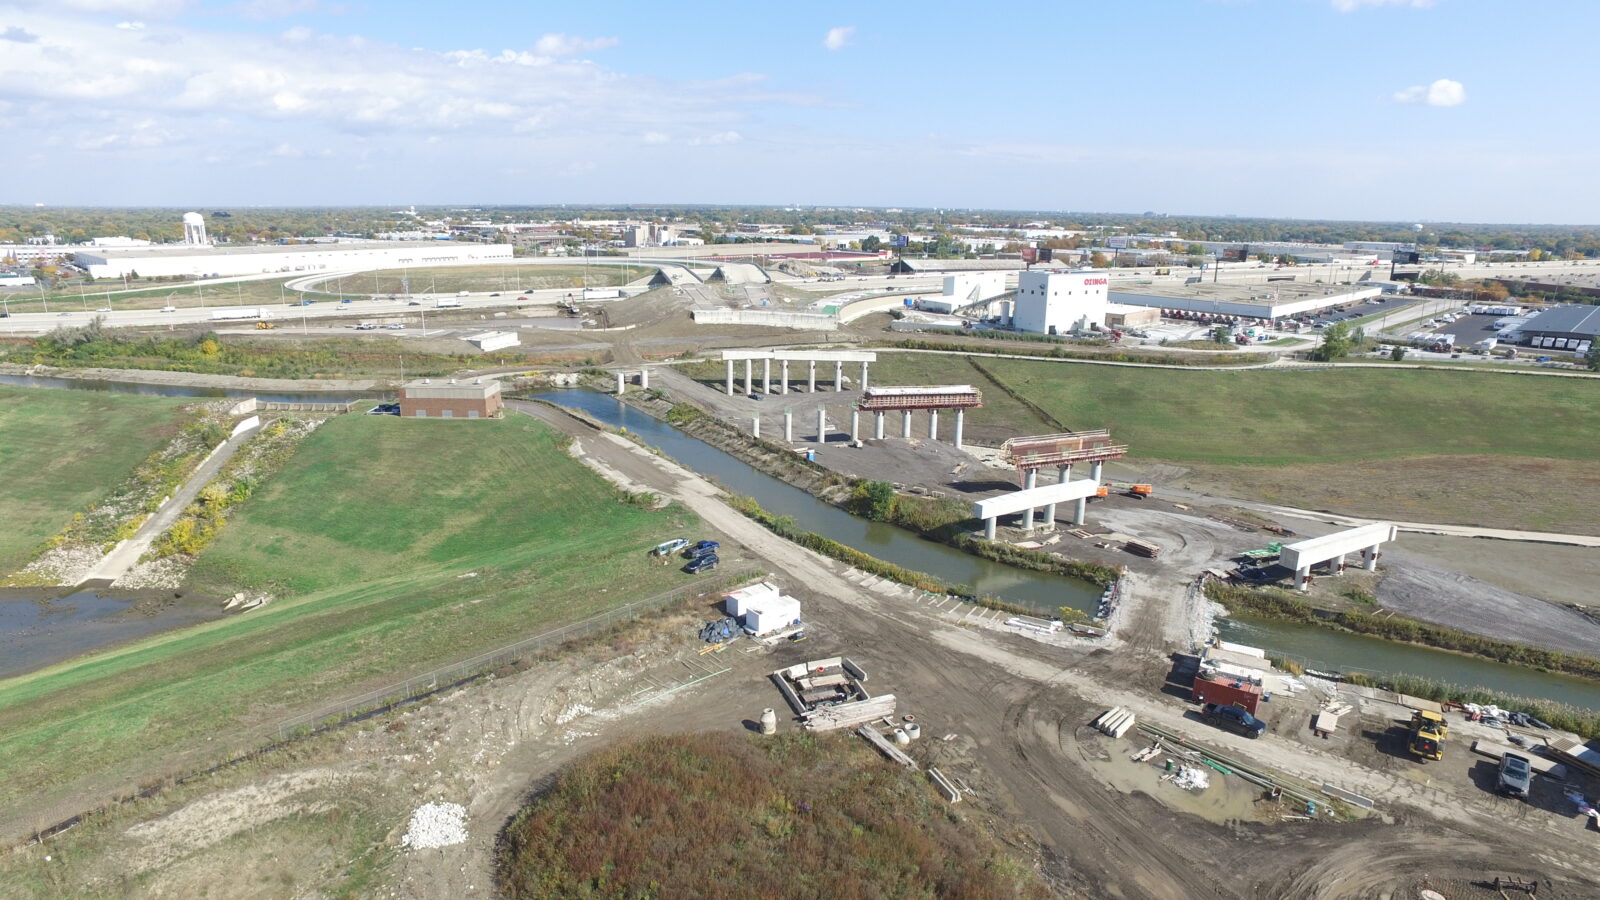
x: 772, y: 318
x: 246, y: 425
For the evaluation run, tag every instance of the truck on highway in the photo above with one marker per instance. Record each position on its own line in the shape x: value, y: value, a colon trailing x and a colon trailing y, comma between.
x: 446, y: 302
x: 602, y: 294
x: 245, y: 312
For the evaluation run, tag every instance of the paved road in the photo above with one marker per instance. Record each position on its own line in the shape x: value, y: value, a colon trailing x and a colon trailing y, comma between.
x: 125, y: 555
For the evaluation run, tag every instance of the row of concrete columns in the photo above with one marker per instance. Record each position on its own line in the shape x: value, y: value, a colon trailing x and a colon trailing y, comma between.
x: 783, y: 377
x: 1369, y: 561
x: 1030, y: 480
x: 933, y: 424
x: 855, y: 426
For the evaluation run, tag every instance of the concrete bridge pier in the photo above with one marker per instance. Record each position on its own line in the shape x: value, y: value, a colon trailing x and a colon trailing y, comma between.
x: 960, y: 418
x: 838, y: 374
x: 788, y: 425
x: 811, y: 376
x: 749, y: 386
x: 730, y: 377
x: 905, y: 423
x: 766, y: 376
x: 855, y: 425
x: 755, y: 425
x: 877, y: 427
x: 863, y: 385
x: 783, y: 376
x: 1032, y: 481
x: 622, y: 381
x: 822, y: 425
x: 933, y: 424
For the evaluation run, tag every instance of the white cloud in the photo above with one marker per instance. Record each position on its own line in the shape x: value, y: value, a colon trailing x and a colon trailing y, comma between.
x: 131, y: 26
x: 570, y: 45
x: 839, y: 37
x: 1345, y: 6
x: 656, y: 137
x: 721, y: 137
x: 149, y: 8
x: 1443, y: 92
x: 297, y: 33
x: 18, y: 35
x: 274, y: 9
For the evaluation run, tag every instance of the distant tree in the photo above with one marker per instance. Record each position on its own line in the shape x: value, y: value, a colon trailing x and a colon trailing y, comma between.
x: 1099, y: 261
x: 1221, y: 334
x: 1285, y: 259
x: 1264, y: 257
x: 1592, y: 358
x: 1397, y: 354
x: 1337, y: 342
x: 874, y: 500
x: 871, y: 244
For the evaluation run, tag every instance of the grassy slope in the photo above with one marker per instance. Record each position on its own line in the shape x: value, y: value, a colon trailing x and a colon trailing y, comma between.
x: 61, y: 451
x: 374, y: 520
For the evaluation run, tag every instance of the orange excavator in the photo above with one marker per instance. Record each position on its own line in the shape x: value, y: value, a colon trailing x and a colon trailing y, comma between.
x: 1132, y: 490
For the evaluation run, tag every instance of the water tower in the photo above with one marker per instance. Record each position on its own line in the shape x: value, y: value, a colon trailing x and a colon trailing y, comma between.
x: 194, y: 228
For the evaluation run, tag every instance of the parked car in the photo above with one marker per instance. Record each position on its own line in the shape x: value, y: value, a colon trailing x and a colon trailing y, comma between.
x: 668, y: 548
x: 701, y: 549
x: 1516, y: 776
x: 1233, y: 718
x: 701, y: 564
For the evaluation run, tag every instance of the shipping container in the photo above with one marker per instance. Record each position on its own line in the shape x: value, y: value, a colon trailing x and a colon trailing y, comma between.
x: 1227, y: 692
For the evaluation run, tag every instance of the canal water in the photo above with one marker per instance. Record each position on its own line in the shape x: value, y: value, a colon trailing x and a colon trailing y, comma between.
x: 1038, y: 590
x: 1337, y: 651
x: 37, y: 629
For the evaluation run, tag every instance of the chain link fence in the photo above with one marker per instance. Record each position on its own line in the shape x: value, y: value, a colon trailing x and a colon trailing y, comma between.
x: 374, y: 702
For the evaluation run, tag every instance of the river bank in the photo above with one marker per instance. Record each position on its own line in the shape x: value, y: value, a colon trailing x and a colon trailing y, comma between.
x: 947, y: 522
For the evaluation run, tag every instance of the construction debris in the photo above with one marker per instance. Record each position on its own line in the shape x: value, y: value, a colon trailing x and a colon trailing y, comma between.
x: 436, y: 825
x: 894, y: 753
x: 1190, y: 778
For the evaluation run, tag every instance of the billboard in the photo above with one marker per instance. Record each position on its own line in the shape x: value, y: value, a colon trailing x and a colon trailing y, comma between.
x: 901, y: 240
x: 1047, y: 254
x: 1030, y: 254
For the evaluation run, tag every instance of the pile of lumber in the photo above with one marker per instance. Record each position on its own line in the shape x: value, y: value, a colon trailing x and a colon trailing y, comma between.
x: 846, y: 715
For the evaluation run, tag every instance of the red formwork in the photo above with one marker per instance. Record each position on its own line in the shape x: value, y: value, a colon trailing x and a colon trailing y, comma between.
x: 1046, y: 450
x: 936, y: 397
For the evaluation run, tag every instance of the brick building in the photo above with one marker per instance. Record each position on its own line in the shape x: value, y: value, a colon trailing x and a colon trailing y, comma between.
x: 426, y: 399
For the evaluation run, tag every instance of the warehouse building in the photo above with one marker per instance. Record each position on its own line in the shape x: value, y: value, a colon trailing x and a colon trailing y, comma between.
x: 425, y: 399
x: 1122, y: 315
x: 1574, y: 328
x: 1060, y: 302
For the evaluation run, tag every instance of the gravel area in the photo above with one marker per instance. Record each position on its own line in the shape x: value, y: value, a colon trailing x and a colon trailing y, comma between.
x: 1461, y: 601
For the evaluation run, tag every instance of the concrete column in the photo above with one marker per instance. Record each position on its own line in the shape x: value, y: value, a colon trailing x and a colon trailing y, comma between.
x: 811, y: 376
x: 933, y: 424
x: 988, y: 528
x: 622, y: 381
x: 822, y: 425
x: 755, y: 425
x: 783, y: 376
x: 1077, y: 514
x: 730, y: 378
x: 1030, y: 481
x: 1302, y: 578
x: 960, y: 416
x: 1049, y: 519
x: 855, y: 425
x: 1063, y: 473
x: 863, y: 384
x: 838, y: 374
x: 766, y: 376
x: 905, y: 423
x: 877, y: 425
x: 1370, y: 556
x: 788, y: 425
x: 748, y: 384
x: 1095, y: 469
x: 644, y: 379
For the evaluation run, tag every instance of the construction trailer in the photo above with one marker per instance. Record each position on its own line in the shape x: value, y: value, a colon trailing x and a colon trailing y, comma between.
x: 1227, y: 692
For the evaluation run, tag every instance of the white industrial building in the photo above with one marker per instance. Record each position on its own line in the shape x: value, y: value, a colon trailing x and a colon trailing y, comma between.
x: 202, y: 261
x: 1060, y: 302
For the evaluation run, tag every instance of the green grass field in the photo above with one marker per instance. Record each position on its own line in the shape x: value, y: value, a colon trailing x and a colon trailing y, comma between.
x: 110, y: 292
x: 1285, y: 416
x: 62, y: 451
x: 367, y: 537
x: 509, y: 278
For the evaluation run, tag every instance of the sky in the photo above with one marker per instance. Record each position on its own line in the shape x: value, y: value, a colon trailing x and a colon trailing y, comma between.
x: 1396, y: 110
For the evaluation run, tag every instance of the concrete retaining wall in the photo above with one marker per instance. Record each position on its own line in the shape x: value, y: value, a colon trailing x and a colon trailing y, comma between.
x: 771, y: 318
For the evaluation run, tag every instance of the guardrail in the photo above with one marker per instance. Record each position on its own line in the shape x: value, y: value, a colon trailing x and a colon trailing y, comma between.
x: 419, y: 686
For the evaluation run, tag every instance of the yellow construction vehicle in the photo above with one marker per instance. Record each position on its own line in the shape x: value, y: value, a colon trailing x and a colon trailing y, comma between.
x: 265, y: 325
x: 1429, y: 720
x: 1424, y: 742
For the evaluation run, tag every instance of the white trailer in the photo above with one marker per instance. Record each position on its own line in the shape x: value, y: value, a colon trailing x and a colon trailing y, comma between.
x: 241, y: 312
x: 446, y: 302
x: 602, y: 294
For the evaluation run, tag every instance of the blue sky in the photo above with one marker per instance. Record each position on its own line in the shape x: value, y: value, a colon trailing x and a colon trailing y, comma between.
x: 1464, y: 110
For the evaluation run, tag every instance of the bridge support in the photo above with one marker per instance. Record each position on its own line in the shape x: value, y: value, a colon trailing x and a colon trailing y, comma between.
x: 1032, y: 481
x: 905, y: 423
x: 933, y: 424
x: 788, y: 425
x: 822, y: 425
x: 730, y: 377
x: 961, y: 415
x: 877, y: 427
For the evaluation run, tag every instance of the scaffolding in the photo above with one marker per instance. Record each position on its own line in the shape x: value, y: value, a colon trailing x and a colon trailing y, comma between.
x: 1043, y: 451
x: 947, y: 396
